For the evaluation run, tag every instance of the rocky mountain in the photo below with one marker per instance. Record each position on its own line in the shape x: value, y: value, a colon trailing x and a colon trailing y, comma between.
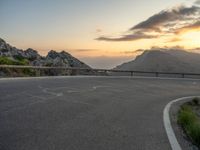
x: 10, y: 55
x: 53, y: 58
x: 63, y: 58
x: 164, y: 60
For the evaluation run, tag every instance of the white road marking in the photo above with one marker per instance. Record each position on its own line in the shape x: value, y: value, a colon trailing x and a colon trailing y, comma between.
x: 33, y: 96
x: 130, y: 77
x: 167, y: 123
x: 99, y: 86
x: 74, y: 90
x: 46, y: 90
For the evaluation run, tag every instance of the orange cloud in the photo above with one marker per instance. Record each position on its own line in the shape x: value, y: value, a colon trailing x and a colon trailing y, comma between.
x: 99, y: 30
x: 167, y: 22
x: 193, y: 27
x: 176, y: 39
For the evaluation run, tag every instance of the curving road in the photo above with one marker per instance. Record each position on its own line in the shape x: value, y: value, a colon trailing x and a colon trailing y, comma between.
x: 87, y: 113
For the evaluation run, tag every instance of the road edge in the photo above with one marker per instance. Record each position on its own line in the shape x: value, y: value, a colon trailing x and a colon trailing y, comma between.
x: 85, y: 76
x: 167, y: 123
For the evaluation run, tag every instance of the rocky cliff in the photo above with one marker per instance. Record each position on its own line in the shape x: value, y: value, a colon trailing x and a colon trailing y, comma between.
x: 53, y: 58
x: 13, y: 56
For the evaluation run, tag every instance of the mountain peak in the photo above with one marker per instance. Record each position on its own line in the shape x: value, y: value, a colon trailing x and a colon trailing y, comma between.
x: 2, y: 41
x: 164, y: 60
x: 65, y: 53
x: 52, y: 54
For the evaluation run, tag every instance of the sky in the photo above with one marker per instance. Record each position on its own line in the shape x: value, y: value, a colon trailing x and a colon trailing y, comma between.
x: 102, y: 33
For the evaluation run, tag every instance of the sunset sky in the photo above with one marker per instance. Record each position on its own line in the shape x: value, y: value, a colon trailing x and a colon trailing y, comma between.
x: 102, y: 33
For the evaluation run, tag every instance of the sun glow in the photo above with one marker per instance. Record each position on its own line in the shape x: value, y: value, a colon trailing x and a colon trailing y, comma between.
x: 191, y: 39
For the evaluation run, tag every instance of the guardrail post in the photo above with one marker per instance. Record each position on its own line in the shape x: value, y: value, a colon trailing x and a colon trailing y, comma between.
x: 37, y: 72
x: 131, y: 73
x: 157, y: 74
x: 183, y: 75
x: 68, y: 72
x: 74, y: 72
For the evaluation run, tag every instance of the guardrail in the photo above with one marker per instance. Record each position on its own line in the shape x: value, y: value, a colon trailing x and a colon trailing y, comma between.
x: 75, y: 71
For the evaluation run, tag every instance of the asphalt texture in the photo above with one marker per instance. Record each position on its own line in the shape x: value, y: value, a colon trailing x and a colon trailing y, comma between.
x: 88, y: 113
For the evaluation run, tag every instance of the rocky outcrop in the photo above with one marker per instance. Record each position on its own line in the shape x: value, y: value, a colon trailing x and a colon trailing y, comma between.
x: 13, y: 56
x: 31, y: 54
x: 53, y: 58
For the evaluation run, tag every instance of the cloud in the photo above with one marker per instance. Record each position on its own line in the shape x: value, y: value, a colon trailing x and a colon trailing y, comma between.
x: 129, y: 37
x: 164, y: 48
x: 194, y: 26
x: 176, y: 39
x: 134, y: 51
x: 84, y: 50
x: 98, y: 30
x: 168, y: 18
x: 197, y: 2
x: 169, y: 21
x: 196, y: 49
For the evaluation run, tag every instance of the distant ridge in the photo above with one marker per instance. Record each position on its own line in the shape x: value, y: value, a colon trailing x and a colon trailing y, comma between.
x: 164, y: 60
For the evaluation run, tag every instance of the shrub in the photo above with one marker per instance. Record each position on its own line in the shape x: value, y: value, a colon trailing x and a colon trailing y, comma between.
x: 29, y: 72
x: 7, y: 61
x: 16, y: 72
x: 190, y: 122
x: 196, y: 101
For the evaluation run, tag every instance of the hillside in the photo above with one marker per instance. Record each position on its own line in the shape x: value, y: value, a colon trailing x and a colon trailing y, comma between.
x: 32, y: 57
x: 164, y: 61
x: 10, y: 55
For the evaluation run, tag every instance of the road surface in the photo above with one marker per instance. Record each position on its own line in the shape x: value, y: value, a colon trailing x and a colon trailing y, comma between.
x: 87, y: 113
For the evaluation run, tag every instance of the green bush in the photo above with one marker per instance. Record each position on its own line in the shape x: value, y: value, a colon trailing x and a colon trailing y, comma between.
x: 19, y: 58
x: 16, y: 72
x: 196, y: 101
x: 29, y: 72
x: 190, y: 122
x: 7, y: 61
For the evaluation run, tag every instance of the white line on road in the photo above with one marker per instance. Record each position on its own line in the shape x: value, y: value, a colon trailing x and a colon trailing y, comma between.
x: 46, y: 90
x: 167, y: 123
x: 120, y: 77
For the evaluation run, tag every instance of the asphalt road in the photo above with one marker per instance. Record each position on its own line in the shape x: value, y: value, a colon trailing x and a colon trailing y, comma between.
x: 87, y: 113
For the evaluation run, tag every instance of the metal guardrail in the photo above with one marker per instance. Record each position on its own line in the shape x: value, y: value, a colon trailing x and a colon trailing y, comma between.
x: 131, y: 72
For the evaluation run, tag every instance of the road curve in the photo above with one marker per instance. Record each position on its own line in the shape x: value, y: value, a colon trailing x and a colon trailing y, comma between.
x: 87, y: 113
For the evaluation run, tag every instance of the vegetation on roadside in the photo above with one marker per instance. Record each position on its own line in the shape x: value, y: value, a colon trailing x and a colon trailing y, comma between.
x: 190, y: 121
x: 7, y: 61
x: 17, y: 61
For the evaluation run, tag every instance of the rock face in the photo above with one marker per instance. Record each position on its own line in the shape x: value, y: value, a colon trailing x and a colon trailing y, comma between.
x: 12, y: 56
x: 31, y: 54
x: 62, y: 59
x: 14, y: 53
x: 164, y: 61
x: 53, y: 58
